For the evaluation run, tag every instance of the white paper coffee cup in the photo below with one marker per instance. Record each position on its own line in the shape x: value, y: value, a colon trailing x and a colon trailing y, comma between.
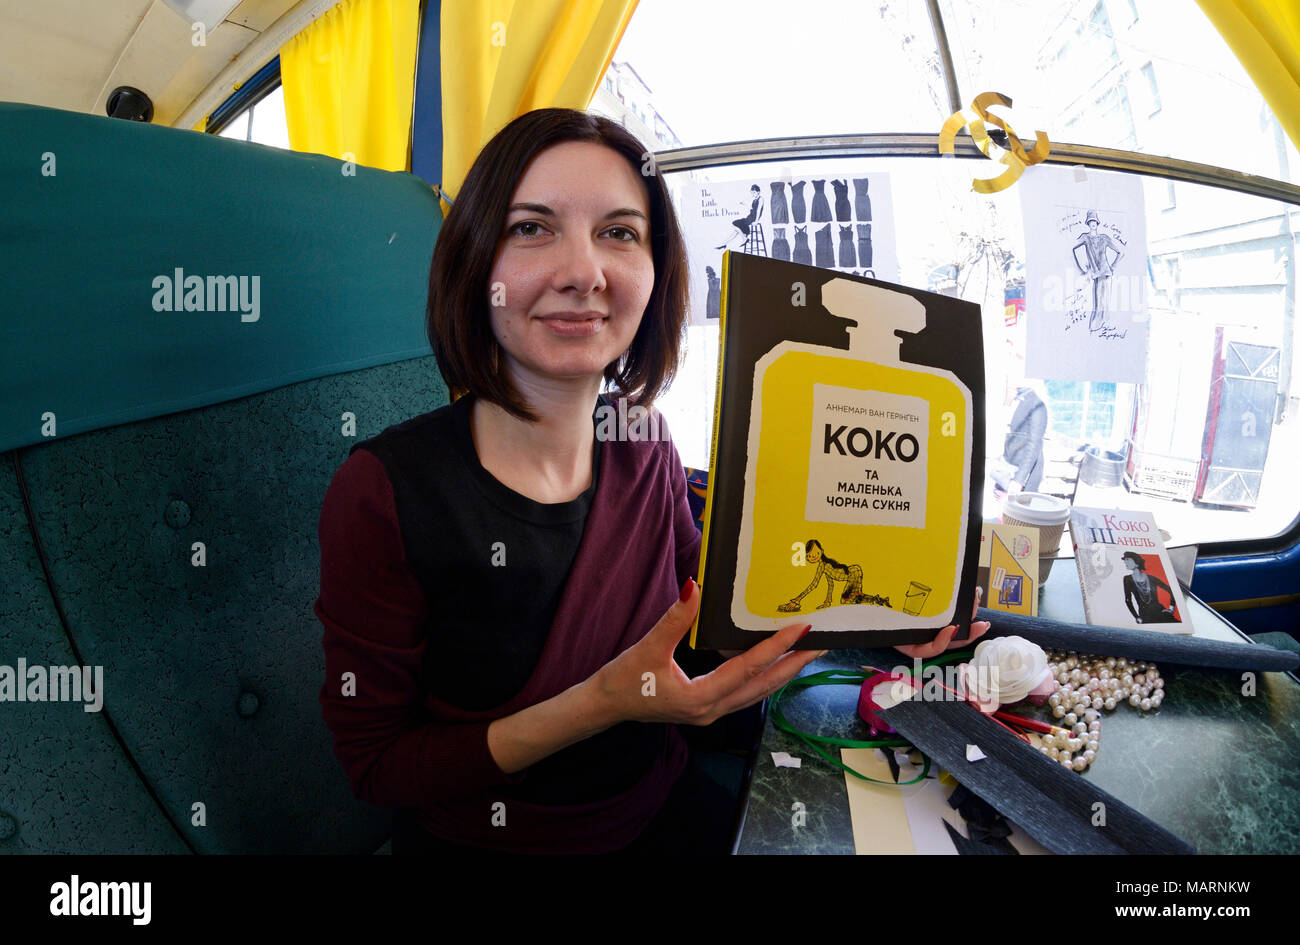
x: 1048, y: 514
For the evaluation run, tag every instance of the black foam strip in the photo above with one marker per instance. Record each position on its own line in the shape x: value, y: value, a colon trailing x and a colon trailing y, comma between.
x: 1139, y: 644
x: 1054, y: 806
x: 967, y: 847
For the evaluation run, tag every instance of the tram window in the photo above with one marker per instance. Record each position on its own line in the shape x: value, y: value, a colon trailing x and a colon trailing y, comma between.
x: 1152, y: 89
x: 261, y: 123
x: 780, y: 70
x: 1133, y: 75
x: 1083, y: 411
x: 1219, y: 289
x: 238, y: 126
x: 1205, y: 107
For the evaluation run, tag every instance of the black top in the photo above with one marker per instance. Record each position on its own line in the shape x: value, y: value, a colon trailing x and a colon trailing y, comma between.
x: 493, y: 564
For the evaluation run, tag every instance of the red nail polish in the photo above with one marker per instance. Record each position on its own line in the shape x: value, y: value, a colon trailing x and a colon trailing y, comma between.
x: 806, y: 630
x: 687, y: 590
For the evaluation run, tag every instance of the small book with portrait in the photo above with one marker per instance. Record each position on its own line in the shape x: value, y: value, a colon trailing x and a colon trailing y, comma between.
x: 847, y: 460
x: 1127, y: 577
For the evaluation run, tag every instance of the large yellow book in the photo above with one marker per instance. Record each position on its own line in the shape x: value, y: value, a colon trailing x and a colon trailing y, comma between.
x: 847, y: 445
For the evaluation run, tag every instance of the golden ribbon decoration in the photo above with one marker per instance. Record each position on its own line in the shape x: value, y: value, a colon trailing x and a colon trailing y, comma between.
x: 1016, y: 158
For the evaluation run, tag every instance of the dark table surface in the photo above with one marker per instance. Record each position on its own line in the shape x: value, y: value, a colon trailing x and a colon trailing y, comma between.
x: 1218, y: 768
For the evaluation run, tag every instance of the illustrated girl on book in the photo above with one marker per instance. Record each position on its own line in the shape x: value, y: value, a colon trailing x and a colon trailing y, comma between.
x: 1140, y: 592
x: 832, y: 571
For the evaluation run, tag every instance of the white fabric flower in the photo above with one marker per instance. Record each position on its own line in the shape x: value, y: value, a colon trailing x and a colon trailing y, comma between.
x: 1005, y: 670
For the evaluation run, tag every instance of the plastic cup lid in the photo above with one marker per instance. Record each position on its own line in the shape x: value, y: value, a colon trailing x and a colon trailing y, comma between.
x: 1037, y: 508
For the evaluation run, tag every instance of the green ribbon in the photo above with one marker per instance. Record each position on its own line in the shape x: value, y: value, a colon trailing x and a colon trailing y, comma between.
x: 843, y: 677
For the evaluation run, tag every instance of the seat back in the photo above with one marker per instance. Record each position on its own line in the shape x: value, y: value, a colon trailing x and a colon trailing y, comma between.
x: 165, y: 472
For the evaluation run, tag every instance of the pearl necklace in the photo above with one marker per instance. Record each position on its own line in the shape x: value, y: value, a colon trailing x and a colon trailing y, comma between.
x: 1084, y: 686
x: 1145, y: 589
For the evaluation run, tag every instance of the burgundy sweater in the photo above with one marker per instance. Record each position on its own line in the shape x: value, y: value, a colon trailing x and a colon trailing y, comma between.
x: 399, y: 744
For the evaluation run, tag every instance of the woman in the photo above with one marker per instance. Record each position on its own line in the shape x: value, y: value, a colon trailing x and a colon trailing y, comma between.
x: 1097, y: 247
x: 742, y: 224
x: 499, y: 587
x: 1140, y: 595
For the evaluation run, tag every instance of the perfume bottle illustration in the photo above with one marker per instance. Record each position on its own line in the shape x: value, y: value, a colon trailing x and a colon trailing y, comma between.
x: 857, y: 477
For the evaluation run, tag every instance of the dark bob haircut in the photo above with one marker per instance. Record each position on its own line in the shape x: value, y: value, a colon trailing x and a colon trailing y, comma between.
x: 1136, y: 558
x: 458, y: 318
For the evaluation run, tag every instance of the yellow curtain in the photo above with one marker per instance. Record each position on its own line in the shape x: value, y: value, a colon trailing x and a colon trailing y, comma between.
x: 1265, y: 35
x: 501, y: 58
x: 349, y: 82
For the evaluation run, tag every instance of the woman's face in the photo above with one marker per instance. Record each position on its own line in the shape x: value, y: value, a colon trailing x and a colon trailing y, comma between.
x: 1131, y: 565
x: 814, y: 554
x: 573, y: 270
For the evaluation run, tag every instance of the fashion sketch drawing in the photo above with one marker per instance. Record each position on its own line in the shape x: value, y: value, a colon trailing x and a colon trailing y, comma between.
x: 1097, y: 265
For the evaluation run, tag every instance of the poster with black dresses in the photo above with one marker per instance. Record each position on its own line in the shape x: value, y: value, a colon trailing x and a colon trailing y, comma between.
x: 831, y: 222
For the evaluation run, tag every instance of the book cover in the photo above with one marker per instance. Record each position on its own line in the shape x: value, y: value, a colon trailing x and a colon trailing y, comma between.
x: 1125, y: 571
x: 847, y: 444
x: 1008, y: 569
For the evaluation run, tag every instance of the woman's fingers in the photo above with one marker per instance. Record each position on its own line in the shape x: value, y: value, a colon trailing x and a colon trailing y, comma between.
x: 978, y: 627
x: 748, y: 666
x: 772, y: 679
x: 926, y: 650
x: 676, y: 623
x: 747, y: 677
x: 944, y: 640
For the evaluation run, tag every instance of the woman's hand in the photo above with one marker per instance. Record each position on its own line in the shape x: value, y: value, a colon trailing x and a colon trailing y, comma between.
x: 944, y: 640
x: 645, y: 684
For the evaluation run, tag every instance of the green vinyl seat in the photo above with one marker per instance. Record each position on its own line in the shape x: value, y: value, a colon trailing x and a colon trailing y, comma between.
x: 131, y: 434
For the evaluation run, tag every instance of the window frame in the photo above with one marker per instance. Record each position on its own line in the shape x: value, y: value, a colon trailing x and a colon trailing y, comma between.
x: 765, y: 150
x: 257, y: 87
x: 1153, y: 87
